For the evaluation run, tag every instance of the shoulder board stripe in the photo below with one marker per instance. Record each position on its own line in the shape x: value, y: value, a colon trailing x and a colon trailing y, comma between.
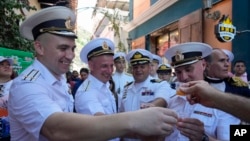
x: 128, y: 84
x: 28, y: 74
x: 155, y: 80
x: 87, y: 86
x: 32, y: 75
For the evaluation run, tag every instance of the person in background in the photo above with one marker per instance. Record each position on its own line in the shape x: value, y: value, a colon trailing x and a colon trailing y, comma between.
x: 40, y: 106
x: 200, y: 92
x: 145, y: 91
x: 219, y: 77
x: 6, y: 73
x: 196, y: 122
x: 75, y: 75
x: 240, y: 70
x: 14, y: 74
x: 75, y: 78
x: 154, y: 66
x: 69, y: 81
x: 164, y: 72
x: 84, y: 72
x: 120, y: 77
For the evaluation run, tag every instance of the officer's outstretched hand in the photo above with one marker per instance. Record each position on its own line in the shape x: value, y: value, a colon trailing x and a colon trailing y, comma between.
x: 153, y: 121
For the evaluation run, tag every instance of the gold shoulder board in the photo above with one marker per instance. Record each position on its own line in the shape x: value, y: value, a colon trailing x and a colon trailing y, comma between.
x: 237, y: 81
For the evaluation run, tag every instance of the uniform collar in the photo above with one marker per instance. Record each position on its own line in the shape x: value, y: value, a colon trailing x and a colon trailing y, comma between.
x: 46, y: 74
x: 97, y: 83
x: 117, y: 73
x: 213, y: 80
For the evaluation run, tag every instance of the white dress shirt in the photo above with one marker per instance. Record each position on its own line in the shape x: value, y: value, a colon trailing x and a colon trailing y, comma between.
x: 35, y: 95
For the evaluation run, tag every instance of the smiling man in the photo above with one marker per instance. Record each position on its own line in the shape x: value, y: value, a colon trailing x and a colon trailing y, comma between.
x: 93, y: 96
x: 144, y: 91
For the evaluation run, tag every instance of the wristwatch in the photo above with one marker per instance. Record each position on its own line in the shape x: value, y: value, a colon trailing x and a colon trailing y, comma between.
x: 205, y: 137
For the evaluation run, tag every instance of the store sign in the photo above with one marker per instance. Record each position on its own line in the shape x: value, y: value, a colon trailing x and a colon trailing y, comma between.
x: 225, y: 31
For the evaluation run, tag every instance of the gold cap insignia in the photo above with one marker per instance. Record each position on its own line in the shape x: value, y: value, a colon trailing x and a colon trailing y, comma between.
x: 179, y: 56
x: 68, y: 24
x: 105, y: 46
x: 163, y: 67
x: 137, y: 56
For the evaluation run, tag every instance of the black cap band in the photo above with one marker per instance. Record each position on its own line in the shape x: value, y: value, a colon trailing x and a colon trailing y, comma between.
x: 139, y: 59
x: 139, y: 62
x: 52, y: 25
x: 187, y: 56
x: 119, y: 58
x: 156, y: 61
x: 164, y: 71
x: 99, y: 51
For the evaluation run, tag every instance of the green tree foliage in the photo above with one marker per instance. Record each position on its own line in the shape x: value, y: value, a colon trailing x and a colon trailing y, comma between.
x: 11, y: 12
x: 116, y: 19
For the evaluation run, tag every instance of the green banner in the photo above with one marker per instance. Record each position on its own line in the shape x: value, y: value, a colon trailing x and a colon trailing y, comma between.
x: 21, y: 59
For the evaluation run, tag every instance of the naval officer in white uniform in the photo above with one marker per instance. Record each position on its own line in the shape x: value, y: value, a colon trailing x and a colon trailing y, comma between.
x: 145, y: 91
x: 94, y: 96
x: 120, y: 76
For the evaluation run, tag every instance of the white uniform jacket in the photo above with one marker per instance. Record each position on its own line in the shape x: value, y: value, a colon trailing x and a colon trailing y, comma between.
x: 121, y: 79
x: 147, y: 91
x: 136, y: 94
x: 34, y: 95
x: 216, y: 122
x: 94, y: 96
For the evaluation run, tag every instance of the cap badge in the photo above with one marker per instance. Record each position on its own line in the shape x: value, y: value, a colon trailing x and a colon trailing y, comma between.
x: 179, y: 56
x: 163, y: 67
x: 105, y: 46
x: 68, y: 24
x: 137, y: 56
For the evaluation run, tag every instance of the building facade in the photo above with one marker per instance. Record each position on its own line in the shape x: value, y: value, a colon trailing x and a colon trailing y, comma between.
x: 110, y: 17
x: 156, y: 25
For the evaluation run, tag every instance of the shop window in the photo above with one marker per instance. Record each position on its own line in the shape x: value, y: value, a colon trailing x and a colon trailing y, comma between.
x: 166, y: 40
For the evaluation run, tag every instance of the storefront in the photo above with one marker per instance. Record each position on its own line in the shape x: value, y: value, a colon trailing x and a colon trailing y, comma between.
x: 167, y: 22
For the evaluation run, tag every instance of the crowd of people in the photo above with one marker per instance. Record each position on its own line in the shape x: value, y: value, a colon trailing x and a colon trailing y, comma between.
x: 105, y: 102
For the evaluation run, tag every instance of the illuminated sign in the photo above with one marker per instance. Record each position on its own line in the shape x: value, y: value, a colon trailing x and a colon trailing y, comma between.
x: 225, y: 31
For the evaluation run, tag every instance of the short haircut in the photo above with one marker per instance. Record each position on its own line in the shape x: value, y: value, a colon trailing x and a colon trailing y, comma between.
x: 84, y: 70
x: 239, y: 61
